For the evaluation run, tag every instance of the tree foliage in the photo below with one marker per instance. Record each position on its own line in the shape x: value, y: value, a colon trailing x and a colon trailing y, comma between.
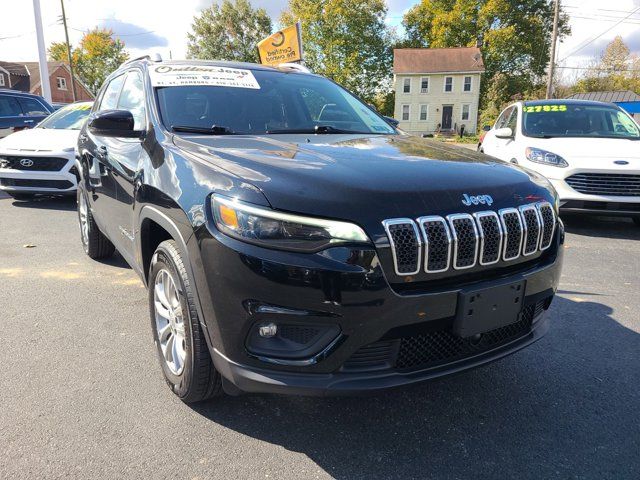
x: 617, y: 69
x: 230, y: 31
x: 97, y: 55
x: 515, y: 38
x: 347, y: 41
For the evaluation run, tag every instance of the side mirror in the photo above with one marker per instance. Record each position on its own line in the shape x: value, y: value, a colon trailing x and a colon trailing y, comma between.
x: 392, y: 121
x: 114, y: 123
x: 505, y: 132
x: 486, y: 128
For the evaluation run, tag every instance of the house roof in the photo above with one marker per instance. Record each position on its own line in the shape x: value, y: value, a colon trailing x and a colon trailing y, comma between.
x: 437, y: 60
x: 14, y: 68
x: 616, y: 96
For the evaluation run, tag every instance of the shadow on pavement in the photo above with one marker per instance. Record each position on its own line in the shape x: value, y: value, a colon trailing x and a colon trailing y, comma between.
x: 67, y: 203
x: 566, y: 407
x: 605, y: 227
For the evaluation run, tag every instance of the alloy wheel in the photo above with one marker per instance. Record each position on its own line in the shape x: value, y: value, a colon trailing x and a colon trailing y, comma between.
x: 169, y: 321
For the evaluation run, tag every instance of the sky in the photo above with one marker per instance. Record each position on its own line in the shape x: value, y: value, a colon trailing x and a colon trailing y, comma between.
x: 149, y: 26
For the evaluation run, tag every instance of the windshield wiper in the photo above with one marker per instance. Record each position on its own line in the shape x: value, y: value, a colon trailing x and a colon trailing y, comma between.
x: 319, y: 129
x: 212, y: 130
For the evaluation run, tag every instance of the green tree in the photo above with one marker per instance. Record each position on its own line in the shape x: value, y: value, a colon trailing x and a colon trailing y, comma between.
x: 97, y: 55
x: 230, y: 31
x: 616, y: 69
x: 347, y: 41
x: 515, y: 38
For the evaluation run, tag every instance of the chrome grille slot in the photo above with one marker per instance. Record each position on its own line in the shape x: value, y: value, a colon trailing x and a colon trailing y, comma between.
x: 512, y: 228
x: 548, y: 219
x: 490, y: 237
x: 531, y: 223
x: 406, y: 245
x: 616, y: 184
x: 437, y: 241
x: 465, y: 240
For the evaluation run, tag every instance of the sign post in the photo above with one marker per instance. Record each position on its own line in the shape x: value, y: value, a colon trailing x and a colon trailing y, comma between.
x: 283, y: 46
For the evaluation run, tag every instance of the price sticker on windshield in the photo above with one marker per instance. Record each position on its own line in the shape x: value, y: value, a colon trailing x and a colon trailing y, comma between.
x: 544, y: 108
x: 189, y: 75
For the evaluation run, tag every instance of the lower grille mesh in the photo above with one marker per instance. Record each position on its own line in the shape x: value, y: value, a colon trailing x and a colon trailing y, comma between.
x: 426, y: 350
x: 406, y: 247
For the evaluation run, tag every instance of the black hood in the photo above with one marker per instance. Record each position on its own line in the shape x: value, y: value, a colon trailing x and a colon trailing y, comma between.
x: 367, y: 178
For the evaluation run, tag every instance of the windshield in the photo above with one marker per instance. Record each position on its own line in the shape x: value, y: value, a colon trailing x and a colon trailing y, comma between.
x: 70, y: 117
x: 576, y: 120
x: 275, y: 102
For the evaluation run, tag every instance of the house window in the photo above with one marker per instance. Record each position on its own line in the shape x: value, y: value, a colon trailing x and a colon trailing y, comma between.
x: 424, y: 85
x: 1, y: 80
x: 465, y: 112
x: 405, y: 112
x: 61, y: 83
x: 406, y: 85
x: 424, y: 112
x: 448, y: 84
x: 467, y: 84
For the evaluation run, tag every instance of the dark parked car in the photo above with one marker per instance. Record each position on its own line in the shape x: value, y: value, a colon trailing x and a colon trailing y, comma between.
x: 293, y: 241
x: 19, y: 110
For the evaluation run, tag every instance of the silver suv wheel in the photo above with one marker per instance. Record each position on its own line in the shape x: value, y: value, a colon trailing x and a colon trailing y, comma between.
x: 169, y: 321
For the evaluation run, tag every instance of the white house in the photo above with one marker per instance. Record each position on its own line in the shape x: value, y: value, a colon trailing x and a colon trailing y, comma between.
x: 437, y: 89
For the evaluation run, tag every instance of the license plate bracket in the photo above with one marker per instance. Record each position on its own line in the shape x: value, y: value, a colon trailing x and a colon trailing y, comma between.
x: 484, y: 309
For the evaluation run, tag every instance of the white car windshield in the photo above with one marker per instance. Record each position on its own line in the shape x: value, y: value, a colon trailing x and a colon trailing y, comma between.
x: 71, y: 117
x: 577, y: 120
x: 277, y: 103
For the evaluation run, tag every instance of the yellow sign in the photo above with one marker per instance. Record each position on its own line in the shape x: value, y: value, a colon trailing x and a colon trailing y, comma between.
x: 281, y: 47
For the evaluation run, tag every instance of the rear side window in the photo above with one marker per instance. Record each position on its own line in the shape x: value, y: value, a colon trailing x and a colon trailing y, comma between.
x: 132, y: 99
x: 110, y: 98
x: 9, y: 107
x: 30, y: 106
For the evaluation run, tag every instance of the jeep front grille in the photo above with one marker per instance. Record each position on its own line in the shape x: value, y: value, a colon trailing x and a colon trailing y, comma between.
x: 462, y: 240
x: 406, y: 245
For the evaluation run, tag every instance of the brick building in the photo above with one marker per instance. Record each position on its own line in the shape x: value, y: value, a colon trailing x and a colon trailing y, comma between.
x: 25, y: 77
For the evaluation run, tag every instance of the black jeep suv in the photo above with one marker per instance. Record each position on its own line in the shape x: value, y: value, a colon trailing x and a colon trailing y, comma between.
x: 292, y: 240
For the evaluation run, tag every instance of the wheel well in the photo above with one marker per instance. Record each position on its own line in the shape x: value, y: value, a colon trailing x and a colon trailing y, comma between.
x: 152, y: 235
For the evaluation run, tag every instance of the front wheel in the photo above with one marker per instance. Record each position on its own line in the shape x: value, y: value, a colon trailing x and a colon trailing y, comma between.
x: 95, y: 244
x: 180, y: 343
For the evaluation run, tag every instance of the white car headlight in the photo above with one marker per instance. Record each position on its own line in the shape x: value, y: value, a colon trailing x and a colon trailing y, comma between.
x: 284, y: 231
x: 537, y: 155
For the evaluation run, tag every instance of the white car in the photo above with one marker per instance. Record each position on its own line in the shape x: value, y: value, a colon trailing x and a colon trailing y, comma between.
x: 41, y: 160
x: 590, y: 151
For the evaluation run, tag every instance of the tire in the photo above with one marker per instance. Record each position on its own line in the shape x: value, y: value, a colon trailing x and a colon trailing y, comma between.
x: 22, y: 196
x: 636, y: 220
x: 179, y: 339
x: 95, y: 244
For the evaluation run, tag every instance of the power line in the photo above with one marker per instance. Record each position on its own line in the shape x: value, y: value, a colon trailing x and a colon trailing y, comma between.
x: 584, y: 44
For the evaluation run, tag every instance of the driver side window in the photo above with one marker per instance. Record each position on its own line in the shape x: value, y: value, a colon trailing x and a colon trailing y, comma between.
x: 132, y: 99
x: 503, y: 118
x: 109, y: 99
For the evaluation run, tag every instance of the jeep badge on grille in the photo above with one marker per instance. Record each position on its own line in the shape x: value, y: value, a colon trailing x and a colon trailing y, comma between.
x: 469, y: 200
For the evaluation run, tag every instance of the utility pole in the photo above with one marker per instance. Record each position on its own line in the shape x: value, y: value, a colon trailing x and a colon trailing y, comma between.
x: 42, y: 53
x: 66, y: 37
x: 552, y: 59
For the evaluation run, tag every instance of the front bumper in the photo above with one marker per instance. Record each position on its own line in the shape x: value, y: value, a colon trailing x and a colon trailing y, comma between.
x: 34, y: 180
x: 241, y: 286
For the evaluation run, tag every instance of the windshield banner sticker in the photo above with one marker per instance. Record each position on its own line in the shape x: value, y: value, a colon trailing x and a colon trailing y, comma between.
x: 182, y: 75
x: 544, y: 108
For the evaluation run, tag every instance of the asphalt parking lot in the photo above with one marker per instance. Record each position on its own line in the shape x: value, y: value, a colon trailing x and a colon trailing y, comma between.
x: 83, y: 396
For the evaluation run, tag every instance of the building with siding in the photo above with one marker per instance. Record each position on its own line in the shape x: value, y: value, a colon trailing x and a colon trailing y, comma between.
x: 437, y: 89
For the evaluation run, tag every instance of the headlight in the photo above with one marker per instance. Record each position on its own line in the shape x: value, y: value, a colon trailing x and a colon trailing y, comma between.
x: 538, y: 155
x: 285, y: 231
